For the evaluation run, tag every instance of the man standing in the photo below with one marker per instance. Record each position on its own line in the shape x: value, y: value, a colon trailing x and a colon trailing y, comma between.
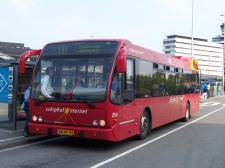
x: 46, y: 87
x: 25, y: 107
x: 208, y: 90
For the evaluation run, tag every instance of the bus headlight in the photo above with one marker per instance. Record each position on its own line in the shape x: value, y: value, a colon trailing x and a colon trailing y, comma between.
x: 94, y: 122
x: 34, y: 118
x: 102, y: 122
x: 40, y: 119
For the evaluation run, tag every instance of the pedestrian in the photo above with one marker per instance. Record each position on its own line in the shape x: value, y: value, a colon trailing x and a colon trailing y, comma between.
x: 25, y: 107
x: 208, y: 90
x: 205, y: 93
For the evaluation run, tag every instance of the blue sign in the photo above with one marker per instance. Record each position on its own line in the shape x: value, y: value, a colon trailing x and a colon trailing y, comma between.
x: 211, y: 79
x: 4, y: 84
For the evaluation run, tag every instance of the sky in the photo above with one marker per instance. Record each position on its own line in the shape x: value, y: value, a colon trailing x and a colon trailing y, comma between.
x: 143, y: 22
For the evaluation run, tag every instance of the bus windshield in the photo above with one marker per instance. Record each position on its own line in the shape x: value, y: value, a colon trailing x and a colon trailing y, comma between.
x: 76, y: 72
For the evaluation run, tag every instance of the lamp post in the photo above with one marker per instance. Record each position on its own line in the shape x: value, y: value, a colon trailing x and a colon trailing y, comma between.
x: 223, y: 52
x: 192, y: 28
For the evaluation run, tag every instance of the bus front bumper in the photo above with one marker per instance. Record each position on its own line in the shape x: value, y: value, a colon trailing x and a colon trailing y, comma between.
x: 74, y: 131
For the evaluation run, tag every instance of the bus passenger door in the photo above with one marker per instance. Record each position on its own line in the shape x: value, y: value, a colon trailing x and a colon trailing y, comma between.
x: 128, y: 100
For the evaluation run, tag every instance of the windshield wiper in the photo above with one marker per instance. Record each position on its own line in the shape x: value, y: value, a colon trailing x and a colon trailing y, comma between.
x: 85, y: 101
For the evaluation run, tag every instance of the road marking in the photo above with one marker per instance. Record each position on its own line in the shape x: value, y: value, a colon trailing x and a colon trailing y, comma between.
x: 3, y: 140
x: 21, y: 146
x: 151, y: 141
x: 209, y: 104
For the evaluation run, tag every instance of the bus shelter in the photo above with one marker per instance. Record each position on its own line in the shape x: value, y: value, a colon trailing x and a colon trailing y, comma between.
x: 12, y: 86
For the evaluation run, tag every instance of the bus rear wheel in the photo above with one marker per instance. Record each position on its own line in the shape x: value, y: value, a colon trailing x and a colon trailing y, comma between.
x: 187, y: 113
x: 144, y: 126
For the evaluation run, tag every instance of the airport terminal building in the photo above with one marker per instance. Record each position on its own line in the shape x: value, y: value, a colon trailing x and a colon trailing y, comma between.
x: 208, y: 54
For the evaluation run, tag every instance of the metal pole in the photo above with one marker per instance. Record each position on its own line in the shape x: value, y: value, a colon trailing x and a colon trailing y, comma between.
x: 14, y: 96
x: 223, y: 52
x: 192, y: 28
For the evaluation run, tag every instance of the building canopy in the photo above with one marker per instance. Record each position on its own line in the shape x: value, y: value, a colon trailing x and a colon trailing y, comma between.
x: 6, y: 57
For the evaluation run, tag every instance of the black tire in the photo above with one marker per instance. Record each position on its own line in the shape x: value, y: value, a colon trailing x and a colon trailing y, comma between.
x: 144, y: 126
x: 187, y: 113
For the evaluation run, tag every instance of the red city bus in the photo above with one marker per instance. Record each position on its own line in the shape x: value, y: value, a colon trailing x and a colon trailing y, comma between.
x: 125, y: 90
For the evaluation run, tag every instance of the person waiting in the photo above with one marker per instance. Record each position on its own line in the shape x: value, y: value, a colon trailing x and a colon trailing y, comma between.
x: 25, y: 107
x: 204, y: 93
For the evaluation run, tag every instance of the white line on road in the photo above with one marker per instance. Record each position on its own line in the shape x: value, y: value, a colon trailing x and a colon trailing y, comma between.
x: 151, y: 141
x: 209, y: 104
x: 21, y: 146
x: 3, y: 140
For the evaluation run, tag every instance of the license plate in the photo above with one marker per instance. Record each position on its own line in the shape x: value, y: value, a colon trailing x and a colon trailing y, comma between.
x: 65, y: 132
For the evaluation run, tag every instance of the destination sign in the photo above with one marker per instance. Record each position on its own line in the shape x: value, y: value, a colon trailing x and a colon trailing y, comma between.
x: 80, y: 48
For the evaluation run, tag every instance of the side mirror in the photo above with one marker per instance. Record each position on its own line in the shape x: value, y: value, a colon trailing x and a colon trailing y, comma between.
x: 121, y: 61
x: 24, y: 57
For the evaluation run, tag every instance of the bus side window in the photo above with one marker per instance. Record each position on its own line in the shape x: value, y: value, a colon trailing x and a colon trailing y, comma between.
x: 130, y: 75
x: 170, y: 83
x: 129, y: 94
x: 159, y: 85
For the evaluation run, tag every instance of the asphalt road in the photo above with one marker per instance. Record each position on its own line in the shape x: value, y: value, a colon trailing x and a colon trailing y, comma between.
x: 196, y: 143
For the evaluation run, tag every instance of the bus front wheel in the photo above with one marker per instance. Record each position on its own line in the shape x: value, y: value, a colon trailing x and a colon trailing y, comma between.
x: 144, y: 126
